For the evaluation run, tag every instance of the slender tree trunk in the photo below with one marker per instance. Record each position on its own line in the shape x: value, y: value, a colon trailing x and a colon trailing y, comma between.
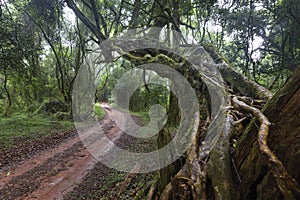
x: 7, y: 92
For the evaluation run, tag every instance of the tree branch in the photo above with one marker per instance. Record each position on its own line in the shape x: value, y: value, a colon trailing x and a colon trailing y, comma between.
x: 96, y: 16
x: 236, y: 80
x: 99, y: 35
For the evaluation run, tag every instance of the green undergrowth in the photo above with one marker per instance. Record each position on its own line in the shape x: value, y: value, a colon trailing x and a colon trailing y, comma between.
x: 25, y: 128
x: 130, y: 191
x: 112, y: 185
x: 99, y: 111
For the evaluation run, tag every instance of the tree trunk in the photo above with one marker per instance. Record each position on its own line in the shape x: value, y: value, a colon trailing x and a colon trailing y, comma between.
x: 257, y: 180
x: 253, y: 173
x: 164, y: 137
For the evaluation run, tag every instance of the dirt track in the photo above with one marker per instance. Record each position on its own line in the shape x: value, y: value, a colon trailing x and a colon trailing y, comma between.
x: 52, y: 167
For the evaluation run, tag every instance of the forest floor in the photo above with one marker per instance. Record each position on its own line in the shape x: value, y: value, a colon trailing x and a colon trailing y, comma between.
x: 60, y: 167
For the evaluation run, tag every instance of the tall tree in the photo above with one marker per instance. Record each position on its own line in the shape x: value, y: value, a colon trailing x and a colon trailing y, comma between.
x: 211, y: 173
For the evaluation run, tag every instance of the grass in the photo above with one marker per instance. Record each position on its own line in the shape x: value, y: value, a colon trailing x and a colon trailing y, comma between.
x: 25, y: 128
x: 99, y: 111
x: 29, y: 128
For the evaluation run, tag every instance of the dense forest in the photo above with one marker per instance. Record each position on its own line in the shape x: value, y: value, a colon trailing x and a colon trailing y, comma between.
x: 222, y: 74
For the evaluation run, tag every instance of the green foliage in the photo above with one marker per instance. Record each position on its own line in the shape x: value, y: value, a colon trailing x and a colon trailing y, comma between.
x: 39, y: 56
x: 47, y: 10
x: 258, y: 37
x: 27, y: 128
x: 142, y: 99
x: 100, y: 113
x: 143, y: 115
x: 41, y: 51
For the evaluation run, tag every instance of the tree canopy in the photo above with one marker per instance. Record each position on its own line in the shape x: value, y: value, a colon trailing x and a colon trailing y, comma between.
x: 43, y: 43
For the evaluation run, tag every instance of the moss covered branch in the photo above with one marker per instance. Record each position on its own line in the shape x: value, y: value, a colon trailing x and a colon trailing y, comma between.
x: 237, y: 81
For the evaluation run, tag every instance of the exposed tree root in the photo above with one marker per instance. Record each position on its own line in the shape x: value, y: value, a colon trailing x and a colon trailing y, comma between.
x: 220, y: 164
x: 191, y: 181
x: 152, y: 195
x: 166, y: 194
x: 193, y: 165
x: 287, y: 185
x: 182, y: 186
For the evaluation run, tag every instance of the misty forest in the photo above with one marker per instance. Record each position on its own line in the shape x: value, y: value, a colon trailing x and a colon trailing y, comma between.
x: 212, y: 86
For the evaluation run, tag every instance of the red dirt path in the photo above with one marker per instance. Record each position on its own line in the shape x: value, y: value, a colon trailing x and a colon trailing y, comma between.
x: 54, y: 170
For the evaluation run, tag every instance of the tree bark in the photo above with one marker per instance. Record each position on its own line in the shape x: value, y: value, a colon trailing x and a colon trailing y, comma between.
x: 238, y: 82
x: 254, y: 177
x: 257, y: 181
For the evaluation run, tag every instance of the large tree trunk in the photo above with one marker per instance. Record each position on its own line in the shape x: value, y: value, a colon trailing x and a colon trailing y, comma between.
x: 210, y: 175
x: 257, y: 174
x: 283, y: 111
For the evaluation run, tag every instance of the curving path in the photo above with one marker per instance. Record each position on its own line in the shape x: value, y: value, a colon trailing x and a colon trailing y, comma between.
x: 55, y: 171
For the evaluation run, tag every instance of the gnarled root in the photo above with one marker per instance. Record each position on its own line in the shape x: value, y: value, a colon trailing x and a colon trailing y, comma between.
x: 286, y: 183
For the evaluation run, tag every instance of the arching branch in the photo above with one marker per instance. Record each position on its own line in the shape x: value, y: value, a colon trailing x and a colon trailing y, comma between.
x: 100, y: 36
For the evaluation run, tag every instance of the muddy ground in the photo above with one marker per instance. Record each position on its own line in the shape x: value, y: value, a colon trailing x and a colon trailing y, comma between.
x: 60, y: 167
